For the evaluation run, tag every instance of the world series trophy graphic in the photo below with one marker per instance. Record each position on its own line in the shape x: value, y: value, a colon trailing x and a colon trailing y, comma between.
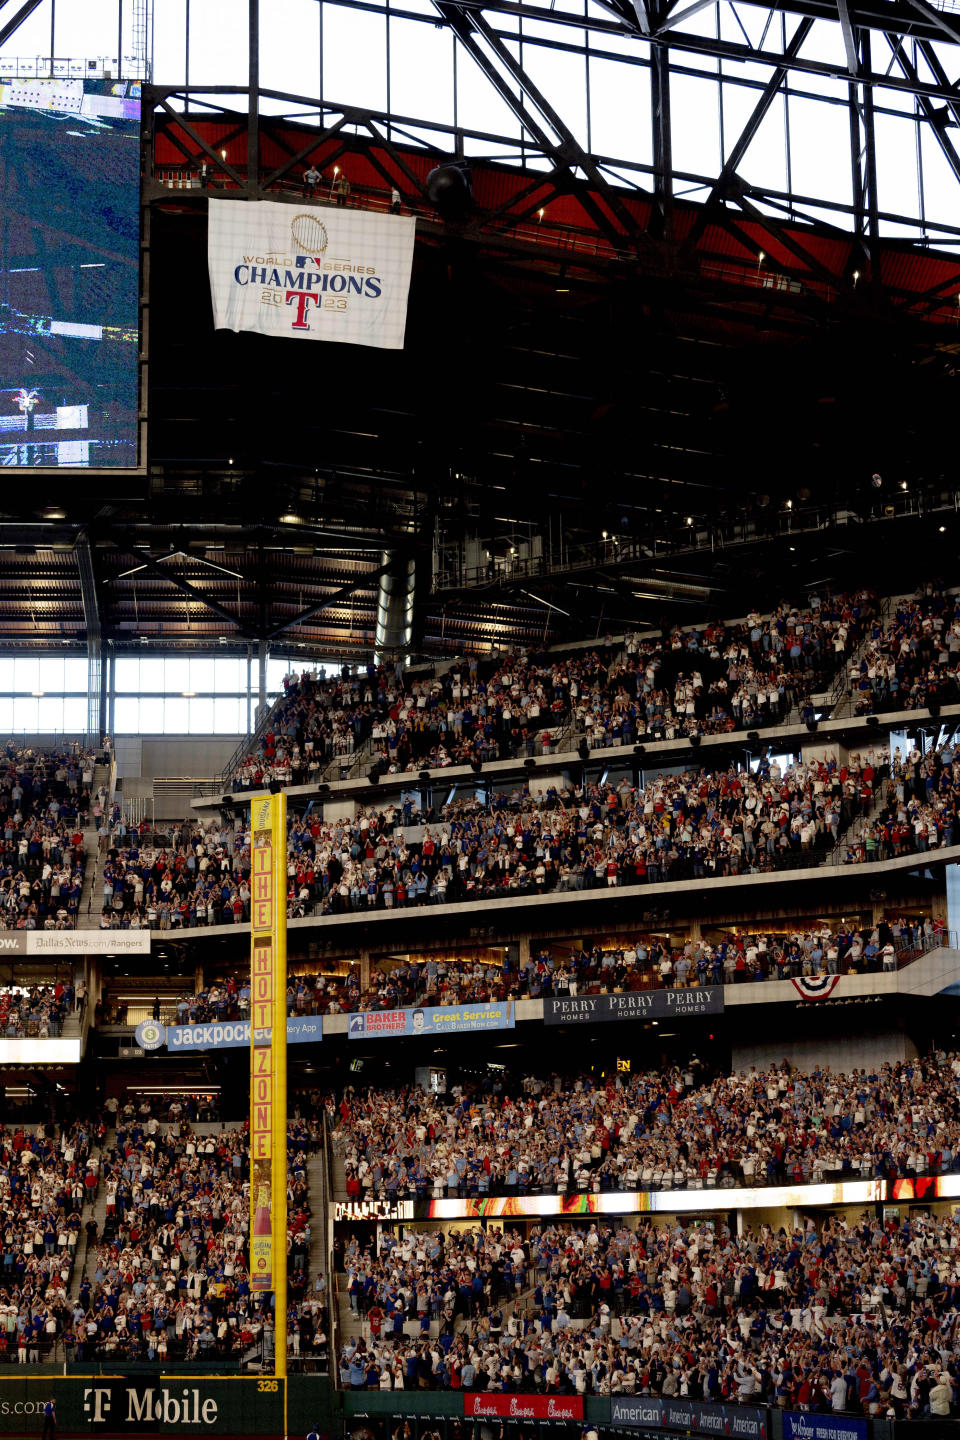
x: 27, y: 401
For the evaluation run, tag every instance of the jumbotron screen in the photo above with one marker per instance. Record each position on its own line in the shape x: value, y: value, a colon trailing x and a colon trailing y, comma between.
x: 69, y: 272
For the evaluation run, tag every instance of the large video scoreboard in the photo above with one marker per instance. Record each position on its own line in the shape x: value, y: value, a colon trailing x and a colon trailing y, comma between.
x: 69, y: 272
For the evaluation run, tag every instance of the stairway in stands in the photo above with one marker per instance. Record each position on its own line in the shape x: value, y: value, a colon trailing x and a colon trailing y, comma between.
x: 88, y: 917
x: 98, y: 1211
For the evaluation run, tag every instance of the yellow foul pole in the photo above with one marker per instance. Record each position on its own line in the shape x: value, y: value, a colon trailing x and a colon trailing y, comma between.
x: 268, y: 1060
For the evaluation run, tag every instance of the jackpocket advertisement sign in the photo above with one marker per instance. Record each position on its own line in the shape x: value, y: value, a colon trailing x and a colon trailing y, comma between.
x: 234, y: 1034
x: 310, y: 272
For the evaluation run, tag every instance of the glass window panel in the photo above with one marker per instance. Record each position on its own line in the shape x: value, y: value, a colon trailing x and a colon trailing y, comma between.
x: 620, y: 111
x: 276, y: 669
x: 74, y: 714
x: 218, y: 40
x: 479, y: 107
x: 151, y: 675
x: 765, y: 161
x: 127, y: 674
x: 82, y: 31
x: 75, y: 674
x: 695, y: 126
x: 421, y: 71
x: 6, y: 714
x: 51, y: 673
x: 176, y: 674
x: 355, y: 57
x: 6, y: 673
x: 940, y: 186
x: 126, y: 716
x: 562, y: 79
x: 169, y: 44
x: 820, y: 151
x: 689, y: 61
x: 176, y: 717
x: 229, y: 717
x: 25, y: 713
x: 896, y: 165
x: 753, y: 21
x: 26, y: 674
x: 151, y: 715
x: 824, y: 42
x: 50, y: 714
x: 33, y: 38
x: 202, y: 673
x: 201, y: 716
x: 899, y: 100
x: 229, y: 674
x: 290, y: 48
x: 703, y: 22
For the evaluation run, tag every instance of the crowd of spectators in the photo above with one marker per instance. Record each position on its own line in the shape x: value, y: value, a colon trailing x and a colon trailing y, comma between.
x: 191, y: 876
x: 44, y: 805
x: 641, y: 962
x: 912, y: 659
x: 706, y: 680
x: 918, y: 807
x: 697, y: 823
x: 167, y: 1279
x: 670, y: 1129
x: 723, y: 677
x: 852, y: 1316
x: 46, y: 1177
x: 35, y: 1010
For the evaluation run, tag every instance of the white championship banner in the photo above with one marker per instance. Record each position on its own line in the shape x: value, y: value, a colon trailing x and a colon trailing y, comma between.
x: 310, y: 272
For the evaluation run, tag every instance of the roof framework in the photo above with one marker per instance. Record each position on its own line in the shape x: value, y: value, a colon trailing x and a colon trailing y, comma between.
x: 620, y: 337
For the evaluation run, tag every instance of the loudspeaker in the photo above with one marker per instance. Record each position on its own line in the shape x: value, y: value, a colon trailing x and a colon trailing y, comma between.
x: 450, y: 190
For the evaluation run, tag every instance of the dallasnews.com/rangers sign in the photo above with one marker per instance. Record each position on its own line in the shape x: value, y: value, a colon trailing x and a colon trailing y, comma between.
x: 310, y: 273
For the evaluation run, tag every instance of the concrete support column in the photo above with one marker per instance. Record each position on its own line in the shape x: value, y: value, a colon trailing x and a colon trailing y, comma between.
x: 261, y: 680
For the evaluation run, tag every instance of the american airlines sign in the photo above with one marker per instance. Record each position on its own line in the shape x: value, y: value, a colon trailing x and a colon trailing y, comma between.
x: 697, y: 1417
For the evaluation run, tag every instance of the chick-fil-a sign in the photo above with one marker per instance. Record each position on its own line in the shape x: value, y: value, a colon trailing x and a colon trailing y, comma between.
x: 524, y: 1407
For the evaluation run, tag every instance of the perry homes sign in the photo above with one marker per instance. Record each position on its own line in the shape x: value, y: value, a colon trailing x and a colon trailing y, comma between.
x: 524, y: 1407
x: 633, y: 1005
x: 703, y: 1419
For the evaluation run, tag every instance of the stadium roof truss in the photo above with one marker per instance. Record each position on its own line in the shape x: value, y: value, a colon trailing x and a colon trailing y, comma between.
x: 713, y: 170
x: 814, y: 111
